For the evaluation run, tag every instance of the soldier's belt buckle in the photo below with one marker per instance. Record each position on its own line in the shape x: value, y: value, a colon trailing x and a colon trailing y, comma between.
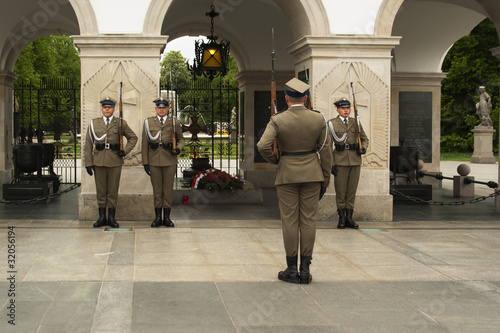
x: 347, y: 146
x: 160, y: 145
x: 106, y: 146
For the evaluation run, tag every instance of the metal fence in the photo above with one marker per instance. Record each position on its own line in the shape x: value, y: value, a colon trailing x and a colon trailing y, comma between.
x: 48, y: 111
x: 209, y: 114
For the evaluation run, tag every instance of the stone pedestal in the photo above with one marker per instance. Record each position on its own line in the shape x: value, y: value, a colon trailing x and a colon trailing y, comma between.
x: 483, y: 145
x: 461, y: 189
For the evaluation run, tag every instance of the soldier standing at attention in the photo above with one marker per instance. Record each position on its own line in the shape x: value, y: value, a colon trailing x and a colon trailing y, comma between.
x: 160, y: 146
x: 346, y: 161
x: 302, y: 176
x: 104, y: 157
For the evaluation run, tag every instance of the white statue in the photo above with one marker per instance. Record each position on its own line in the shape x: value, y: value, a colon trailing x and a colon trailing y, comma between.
x: 483, y: 108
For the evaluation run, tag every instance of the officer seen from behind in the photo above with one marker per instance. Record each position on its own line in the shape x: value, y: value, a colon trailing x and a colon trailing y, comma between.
x: 302, y: 176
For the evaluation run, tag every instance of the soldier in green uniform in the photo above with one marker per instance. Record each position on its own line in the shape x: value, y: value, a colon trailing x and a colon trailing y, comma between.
x: 346, y: 161
x: 104, y: 157
x: 162, y: 141
x: 302, y: 176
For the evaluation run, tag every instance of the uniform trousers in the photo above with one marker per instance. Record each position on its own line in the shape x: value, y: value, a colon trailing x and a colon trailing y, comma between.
x: 162, y: 179
x: 299, y: 209
x: 346, y: 184
x: 107, y: 183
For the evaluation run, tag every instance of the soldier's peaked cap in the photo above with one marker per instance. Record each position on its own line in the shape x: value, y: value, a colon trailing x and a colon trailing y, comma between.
x: 296, y: 88
x: 161, y: 102
x: 343, y: 102
x: 108, y: 102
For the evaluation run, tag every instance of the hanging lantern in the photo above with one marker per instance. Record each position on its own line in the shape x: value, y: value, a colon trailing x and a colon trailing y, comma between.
x: 210, y: 57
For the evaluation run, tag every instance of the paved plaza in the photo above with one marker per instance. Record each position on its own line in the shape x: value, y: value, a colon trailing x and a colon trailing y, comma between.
x: 432, y: 269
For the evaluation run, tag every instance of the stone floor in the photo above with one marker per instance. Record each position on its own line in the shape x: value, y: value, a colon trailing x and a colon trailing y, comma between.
x: 431, y: 269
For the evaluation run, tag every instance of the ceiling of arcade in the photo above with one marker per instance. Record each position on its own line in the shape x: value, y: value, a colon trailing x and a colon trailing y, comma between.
x: 23, y: 21
x: 430, y: 27
x: 248, y: 25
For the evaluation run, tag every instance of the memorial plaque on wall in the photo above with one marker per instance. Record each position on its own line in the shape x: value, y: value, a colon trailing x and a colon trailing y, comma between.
x: 262, y: 114
x: 415, y: 121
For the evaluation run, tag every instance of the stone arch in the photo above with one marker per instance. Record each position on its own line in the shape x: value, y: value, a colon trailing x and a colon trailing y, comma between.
x: 11, y: 51
x: 86, y: 17
x: 155, y: 15
x: 385, y: 17
x: 51, y: 21
x: 307, y: 17
x: 301, y: 18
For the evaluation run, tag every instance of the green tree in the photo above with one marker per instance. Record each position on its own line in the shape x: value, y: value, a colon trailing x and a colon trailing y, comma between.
x: 469, y: 64
x: 174, y: 63
x: 47, y: 59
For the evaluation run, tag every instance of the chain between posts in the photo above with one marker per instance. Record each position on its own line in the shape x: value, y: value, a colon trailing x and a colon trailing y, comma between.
x: 442, y: 203
x: 46, y: 198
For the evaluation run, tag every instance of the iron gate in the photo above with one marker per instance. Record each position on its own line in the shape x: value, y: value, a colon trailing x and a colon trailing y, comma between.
x: 48, y: 111
x: 209, y: 116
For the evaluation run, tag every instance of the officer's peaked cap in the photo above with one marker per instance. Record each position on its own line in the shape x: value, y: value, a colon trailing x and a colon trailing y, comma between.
x: 343, y: 102
x: 296, y: 88
x: 161, y: 102
x: 108, y: 102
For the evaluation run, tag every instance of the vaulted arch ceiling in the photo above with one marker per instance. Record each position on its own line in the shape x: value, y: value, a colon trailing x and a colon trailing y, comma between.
x: 429, y: 28
x: 24, y: 21
x: 247, y: 24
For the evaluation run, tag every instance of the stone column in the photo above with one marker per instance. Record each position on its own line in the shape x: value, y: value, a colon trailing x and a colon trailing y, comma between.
x: 256, y: 102
x: 333, y: 62
x: 7, y: 80
x: 426, y: 133
x: 496, y: 53
x: 105, y: 62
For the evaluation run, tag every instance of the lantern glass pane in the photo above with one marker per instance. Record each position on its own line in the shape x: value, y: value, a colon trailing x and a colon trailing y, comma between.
x: 212, y: 57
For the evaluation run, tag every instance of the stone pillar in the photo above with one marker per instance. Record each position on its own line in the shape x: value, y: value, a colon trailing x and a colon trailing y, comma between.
x: 416, y: 101
x: 105, y: 62
x: 255, y: 112
x: 496, y: 53
x: 333, y: 62
x: 7, y: 80
x: 483, y: 145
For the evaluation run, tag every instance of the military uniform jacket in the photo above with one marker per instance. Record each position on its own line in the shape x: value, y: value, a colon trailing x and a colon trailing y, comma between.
x: 160, y: 156
x: 347, y: 157
x: 298, y: 129
x: 107, y: 157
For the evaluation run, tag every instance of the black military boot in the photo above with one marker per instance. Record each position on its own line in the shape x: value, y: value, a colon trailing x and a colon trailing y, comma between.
x: 157, y: 222
x: 102, y: 218
x: 341, y: 224
x: 290, y: 274
x: 167, y: 222
x: 305, y: 275
x: 111, y: 218
x: 349, y: 223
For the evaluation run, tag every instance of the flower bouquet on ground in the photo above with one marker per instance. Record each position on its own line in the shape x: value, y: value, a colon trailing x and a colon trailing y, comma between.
x: 216, y: 180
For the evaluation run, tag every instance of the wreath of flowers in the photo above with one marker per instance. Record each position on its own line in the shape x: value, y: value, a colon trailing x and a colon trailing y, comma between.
x: 217, y: 180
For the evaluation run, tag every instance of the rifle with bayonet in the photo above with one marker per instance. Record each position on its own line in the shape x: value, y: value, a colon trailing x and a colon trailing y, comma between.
x: 274, y: 102
x: 120, y: 120
x: 174, y: 141
x: 356, y: 121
